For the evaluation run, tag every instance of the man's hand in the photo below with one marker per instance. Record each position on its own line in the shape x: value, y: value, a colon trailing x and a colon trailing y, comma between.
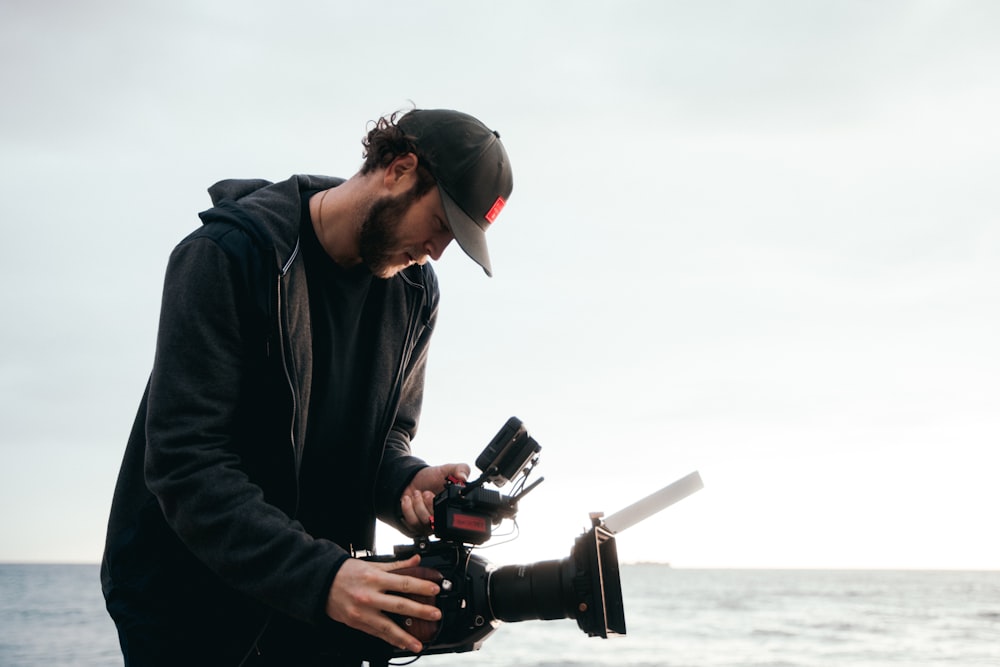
x: 360, y: 595
x: 417, y: 501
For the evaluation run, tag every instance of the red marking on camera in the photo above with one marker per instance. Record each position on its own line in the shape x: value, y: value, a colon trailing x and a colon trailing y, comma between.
x: 468, y: 522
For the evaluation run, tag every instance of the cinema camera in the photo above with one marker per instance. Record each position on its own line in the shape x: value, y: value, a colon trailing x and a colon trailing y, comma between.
x: 475, y: 596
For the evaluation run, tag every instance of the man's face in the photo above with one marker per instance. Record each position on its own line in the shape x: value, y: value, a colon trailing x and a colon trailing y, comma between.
x: 403, y: 230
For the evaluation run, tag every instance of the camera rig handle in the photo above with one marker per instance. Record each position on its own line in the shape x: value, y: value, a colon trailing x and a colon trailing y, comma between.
x: 653, y: 503
x: 465, y: 512
x: 425, y: 631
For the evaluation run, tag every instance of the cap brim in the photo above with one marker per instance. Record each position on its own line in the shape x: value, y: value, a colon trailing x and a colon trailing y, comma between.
x: 470, y: 236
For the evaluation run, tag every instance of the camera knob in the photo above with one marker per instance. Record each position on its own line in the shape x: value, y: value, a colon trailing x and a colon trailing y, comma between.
x: 446, y: 584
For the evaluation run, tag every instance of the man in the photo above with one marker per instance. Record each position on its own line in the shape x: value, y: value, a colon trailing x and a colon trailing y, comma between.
x: 285, y: 390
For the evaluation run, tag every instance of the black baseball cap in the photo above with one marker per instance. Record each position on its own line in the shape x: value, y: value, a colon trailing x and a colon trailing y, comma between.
x: 472, y: 172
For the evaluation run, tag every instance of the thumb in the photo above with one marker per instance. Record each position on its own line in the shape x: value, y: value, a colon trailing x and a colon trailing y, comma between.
x: 460, y: 470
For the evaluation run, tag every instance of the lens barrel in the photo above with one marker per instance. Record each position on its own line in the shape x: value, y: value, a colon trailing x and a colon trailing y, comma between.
x: 542, y: 590
x: 586, y: 586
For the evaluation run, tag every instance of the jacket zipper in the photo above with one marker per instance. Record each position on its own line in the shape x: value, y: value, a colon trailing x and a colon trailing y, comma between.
x: 282, y: 333
x: 282, y: 340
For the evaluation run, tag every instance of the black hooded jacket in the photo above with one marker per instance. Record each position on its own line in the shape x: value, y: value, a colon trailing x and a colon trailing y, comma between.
x: 203, y: 540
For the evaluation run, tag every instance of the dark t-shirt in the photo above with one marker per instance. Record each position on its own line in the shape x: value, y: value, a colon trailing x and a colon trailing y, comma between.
x: 344, y: 306
x: 329, y: 485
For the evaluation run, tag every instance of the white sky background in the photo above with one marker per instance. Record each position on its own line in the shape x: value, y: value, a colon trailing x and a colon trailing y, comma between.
x: 756, y: 239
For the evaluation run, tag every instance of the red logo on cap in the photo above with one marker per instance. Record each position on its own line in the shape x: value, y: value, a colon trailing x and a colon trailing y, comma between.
x: 498, y: 205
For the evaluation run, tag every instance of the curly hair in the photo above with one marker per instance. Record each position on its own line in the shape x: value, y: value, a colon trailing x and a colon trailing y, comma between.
x: 385, y: 142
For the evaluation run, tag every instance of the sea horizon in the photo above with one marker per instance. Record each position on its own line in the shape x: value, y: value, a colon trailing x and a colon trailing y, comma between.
x: 761, y: 568
x: 53, y: 614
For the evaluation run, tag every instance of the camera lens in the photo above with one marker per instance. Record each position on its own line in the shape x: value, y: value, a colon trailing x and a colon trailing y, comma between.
x: 586, y: 586
x: 542, y: 590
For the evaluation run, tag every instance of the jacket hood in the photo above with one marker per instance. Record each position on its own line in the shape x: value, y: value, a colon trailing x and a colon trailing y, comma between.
x: 266, y: 210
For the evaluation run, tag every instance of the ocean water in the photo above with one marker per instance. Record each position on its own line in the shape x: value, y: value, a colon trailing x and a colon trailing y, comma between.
x: 54, y: 615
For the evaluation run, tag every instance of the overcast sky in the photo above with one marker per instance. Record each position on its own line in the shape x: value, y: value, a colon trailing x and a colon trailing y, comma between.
x: 756, y: 239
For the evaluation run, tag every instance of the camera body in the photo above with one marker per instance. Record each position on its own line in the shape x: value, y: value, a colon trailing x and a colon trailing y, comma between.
x: 464, y: 600
x: 476, y: 597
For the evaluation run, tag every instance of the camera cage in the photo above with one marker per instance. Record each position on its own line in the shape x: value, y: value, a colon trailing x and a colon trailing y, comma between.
x: 476, y: 596
x: 466, y: 513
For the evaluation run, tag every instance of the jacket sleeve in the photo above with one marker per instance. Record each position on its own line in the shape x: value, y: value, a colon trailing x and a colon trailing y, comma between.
x: 193, y: 462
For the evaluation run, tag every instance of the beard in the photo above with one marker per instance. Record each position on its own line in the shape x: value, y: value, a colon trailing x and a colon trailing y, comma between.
x: 378, y: 240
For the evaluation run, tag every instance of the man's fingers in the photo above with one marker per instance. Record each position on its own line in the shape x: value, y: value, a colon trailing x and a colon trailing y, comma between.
x: 392, y: 582
x: 365, y: 592
x: 409, y: 512
x: 418, y: 508
x: 404, y: 606
x: 385, y: 629
x: 462, y: 471
x: 423, y: 504
x: 390, y: 566
x: 411, y: 586
x: 396, y: 601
